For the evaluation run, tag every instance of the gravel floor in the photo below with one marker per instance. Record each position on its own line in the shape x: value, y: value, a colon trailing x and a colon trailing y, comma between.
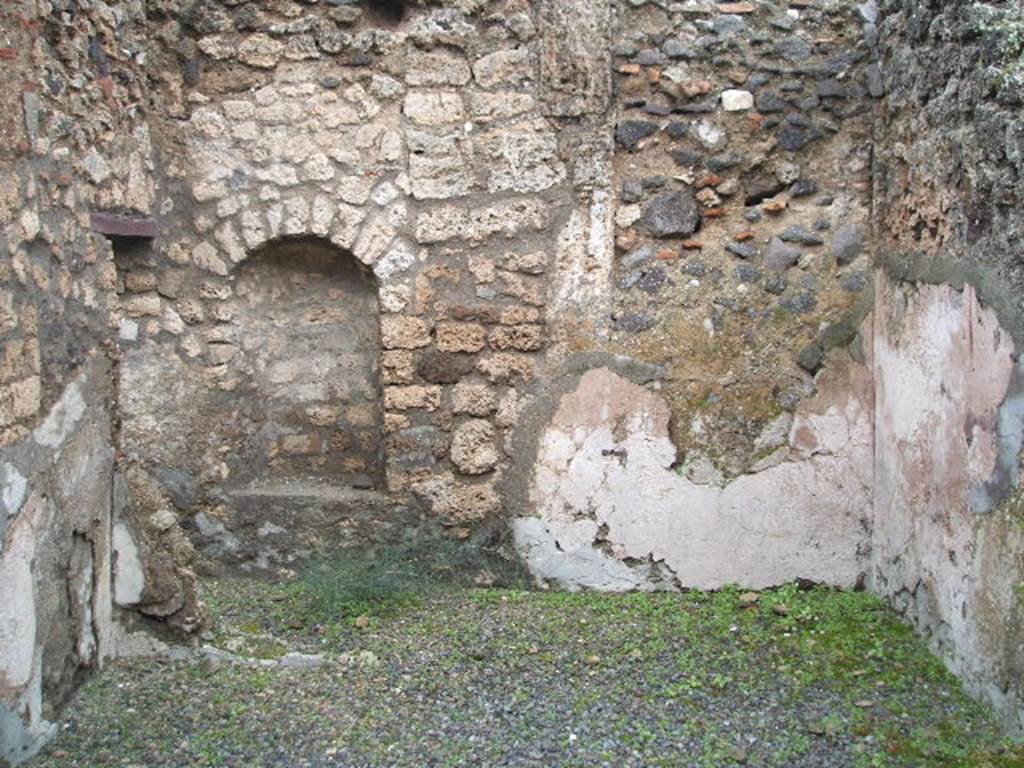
x: 508, y: 678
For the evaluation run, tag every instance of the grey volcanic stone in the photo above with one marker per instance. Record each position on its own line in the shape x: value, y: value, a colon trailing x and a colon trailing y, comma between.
x: 800, y: 304
x: 805, y: 187
x: 676, y: 49
x: 637, y: 256
x: 794, y: 138
x: 632, y: 191
x: 677, y: 129
x: 794, y: 48
x: 652, y: 280
x: 671, y: 214
x: 635, y: 323
x: 776, y: 284
x: 746, y: 273
x: 629, y: 133
x: 799, y: 234
x: 811, y: 357
x: 769, y: 102
x: 846, y: 243
x: 723, y: 161
x: 855, y: 282
x: 444, y: 367
x: 742, y: 250
x: 780, y: 256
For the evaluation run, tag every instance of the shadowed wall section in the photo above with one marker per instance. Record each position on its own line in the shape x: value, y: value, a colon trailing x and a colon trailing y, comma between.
x: 308, y: 365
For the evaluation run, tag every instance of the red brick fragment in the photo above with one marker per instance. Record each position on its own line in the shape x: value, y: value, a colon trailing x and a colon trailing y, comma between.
x: 736, y: 7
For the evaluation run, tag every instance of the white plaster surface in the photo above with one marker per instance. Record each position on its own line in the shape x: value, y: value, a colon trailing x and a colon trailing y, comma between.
x: 13, y: 488
x: 17, y: 608
x: 129, y: 576
x: 23, y: 729
x: 943, y: 367
x: 63, y: 417
x: 606, y: 495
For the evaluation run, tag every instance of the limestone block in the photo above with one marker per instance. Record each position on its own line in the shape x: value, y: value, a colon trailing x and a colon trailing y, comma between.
x: 374, y: 239
x: 261, y: 51
x: 500, y: 105
x: 474, y: 399
x: 531, y: 263
x: 434, y: 107
x: 397, y: 366
x: 737, y: 101
x: 522, y: 158
x: 412, y: 397
x: 575, y: 56
x: 460, y: 337
x: 507, y: 217
x: 439, y: 177
x: 205, y: 256
x: 524, y: 338
x: 508, y: 67
x: 473, y: 448
x: 402, y: 332
x: 520, y: 315
x: 507, y: 368
x: 435, y: 68
x: 459, y: 502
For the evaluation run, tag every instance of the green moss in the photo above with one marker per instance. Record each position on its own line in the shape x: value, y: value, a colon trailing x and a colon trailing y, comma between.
x: 1004, y: 29
x: 653, y: 671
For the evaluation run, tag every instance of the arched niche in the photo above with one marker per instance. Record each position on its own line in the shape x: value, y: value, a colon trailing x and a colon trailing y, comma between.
x: 309, y: 357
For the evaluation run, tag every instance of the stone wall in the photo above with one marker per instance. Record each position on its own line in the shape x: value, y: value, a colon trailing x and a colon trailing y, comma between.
x: 760, y: 422
x: 56, y: 388
x: 419, y: 153
x: 949, y: 148
x: 74, y: 142
x: 598, y: 271
x: 947, y: 421
x: 56, y: 615
x: 742, y: 172
x: 740, y: 264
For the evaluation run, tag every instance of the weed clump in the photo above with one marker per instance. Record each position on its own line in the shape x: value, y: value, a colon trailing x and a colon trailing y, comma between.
x: 346, y: 583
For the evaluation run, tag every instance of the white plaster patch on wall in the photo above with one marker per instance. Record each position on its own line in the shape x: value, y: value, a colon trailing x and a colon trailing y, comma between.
x: 129, y: 576
x: 63, y: 417
x: 13, y: 489
x: 605, y: 493
x: 943, y: 367
x: 17, y: 609
x: 584, y: 255
x: 1010, y: 439
x: 558, y: 553
x: 23, y: 729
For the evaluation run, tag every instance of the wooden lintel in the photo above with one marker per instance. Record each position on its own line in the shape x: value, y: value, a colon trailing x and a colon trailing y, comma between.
x: 117, y: 225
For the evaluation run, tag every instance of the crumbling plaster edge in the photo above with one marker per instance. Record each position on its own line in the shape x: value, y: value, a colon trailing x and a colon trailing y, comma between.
x: 541, y: 402
x: 992, y: 292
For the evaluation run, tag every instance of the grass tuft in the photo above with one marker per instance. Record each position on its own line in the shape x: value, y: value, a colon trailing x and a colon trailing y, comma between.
x: 348, y: 583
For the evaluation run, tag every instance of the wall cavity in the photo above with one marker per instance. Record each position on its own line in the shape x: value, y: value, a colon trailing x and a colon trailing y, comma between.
x: 310, y: 363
